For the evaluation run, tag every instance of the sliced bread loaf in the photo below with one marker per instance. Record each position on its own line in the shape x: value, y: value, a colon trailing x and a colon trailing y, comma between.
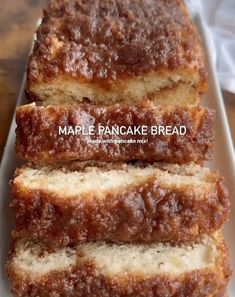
x: 199, y: 269
x: 118, y: 202
x: 117, y: 133
x: 117, y: 51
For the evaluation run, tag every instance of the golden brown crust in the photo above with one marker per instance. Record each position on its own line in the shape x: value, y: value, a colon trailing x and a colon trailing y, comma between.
x: 103, y: 42
x: 87, y: 280
x: 38, y: 139
x: 145, y: 212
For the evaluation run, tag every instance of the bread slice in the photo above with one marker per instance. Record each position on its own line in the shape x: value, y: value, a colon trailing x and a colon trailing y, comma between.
x: 128, y: 203
x: 51, y: 134
x: 199, y: 269
x: 117, y: 51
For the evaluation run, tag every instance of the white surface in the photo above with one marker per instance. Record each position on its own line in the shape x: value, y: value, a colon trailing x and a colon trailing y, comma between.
x: 224, y: 161
x: 219, y: 18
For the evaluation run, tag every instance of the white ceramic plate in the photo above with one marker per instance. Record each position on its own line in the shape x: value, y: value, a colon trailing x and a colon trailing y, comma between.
x: 224, y: 161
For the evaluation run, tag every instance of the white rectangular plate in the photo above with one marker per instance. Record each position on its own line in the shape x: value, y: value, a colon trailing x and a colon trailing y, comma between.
x: 223, y: 160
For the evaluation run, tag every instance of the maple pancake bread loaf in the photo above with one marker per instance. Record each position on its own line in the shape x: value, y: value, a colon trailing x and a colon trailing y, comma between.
x: 117, y: 202
x: 116, y: 51
x: 199, y: 269
x: 48, y: 134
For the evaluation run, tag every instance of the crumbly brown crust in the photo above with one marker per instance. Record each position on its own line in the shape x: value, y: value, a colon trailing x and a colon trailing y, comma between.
x: 38, y: 139
x: 106, y: 41
x: 87, y: 280
x: 145, y: 212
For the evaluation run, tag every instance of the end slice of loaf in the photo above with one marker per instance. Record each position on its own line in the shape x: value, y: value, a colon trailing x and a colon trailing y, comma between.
x: 117, y: 51
x: 199, y: 269
x: 129, y: 203
x: 39, y: 139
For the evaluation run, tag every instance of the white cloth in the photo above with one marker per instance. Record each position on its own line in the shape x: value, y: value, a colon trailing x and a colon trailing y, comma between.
x: 219, y: 16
